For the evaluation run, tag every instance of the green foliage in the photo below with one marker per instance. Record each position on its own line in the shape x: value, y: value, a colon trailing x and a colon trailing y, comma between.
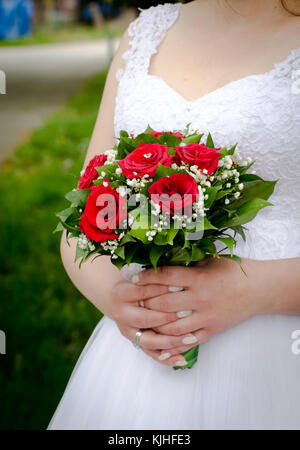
x: 46, y: 320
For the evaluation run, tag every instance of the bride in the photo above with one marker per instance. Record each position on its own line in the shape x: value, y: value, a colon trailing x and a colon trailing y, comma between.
x: 232, y: 68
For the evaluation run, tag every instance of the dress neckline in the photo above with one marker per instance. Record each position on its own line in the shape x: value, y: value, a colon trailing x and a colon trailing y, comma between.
x: 276, y: 66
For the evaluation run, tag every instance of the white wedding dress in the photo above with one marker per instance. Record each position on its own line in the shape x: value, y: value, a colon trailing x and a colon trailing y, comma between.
x: 247, y: 377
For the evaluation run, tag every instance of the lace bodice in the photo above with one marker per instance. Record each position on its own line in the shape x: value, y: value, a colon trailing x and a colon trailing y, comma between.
x: 260, y: 112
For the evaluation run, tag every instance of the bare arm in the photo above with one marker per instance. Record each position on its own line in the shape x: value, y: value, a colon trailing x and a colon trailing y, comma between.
x: 86, y: 279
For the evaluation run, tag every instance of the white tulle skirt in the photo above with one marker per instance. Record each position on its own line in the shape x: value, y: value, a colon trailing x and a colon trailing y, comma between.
x: 245, y: 378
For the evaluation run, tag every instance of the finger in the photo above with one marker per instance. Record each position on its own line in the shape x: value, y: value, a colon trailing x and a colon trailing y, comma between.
x: 133, y: 293
x: 166, y: 275
x: 146, y: 318
x: 155, y: 341
x: 175, y: 302
x: 182, y: 326
x: 202, y: 336
x: 175, y: 360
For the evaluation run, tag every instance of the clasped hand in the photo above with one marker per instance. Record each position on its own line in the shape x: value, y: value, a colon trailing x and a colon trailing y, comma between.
x: 184, y: 306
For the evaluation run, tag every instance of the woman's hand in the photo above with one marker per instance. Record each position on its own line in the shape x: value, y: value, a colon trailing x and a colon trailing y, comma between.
x: 130, y: 317
x: 217, y: 295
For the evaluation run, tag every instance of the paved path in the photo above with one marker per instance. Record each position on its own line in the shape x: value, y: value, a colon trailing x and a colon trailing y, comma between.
x: 39, y: 79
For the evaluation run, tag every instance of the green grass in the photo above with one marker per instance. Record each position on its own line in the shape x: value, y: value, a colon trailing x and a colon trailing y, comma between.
x: 56, y: 33
x: 46, y: 320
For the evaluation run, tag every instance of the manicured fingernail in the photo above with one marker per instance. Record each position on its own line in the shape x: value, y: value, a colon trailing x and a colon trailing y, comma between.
x: 135, y: 279
x: 189, y: 340
x: 142, y: 304
x: 175, y: 288
x: 184, y: 313
x: 164, y: 356
x: 180, y: 363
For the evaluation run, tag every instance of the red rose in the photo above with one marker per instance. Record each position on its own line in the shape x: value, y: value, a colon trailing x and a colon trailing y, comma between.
x: 90, y: 173
x: 159, y: 133
x: 198, y: 155
x: 175, y: 194
x: 144, y: 160
x: 103, y: 213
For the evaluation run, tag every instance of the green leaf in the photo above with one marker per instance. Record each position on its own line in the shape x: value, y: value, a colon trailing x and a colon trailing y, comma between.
x: 228, y: 241
x: 209, y: 141
x: 249, y: 177
x: 155, y: 253
x: 163, y: 171
x: 254, y: 189
x: 123, y: 133
x: 140, y: 234
x: 197, y: 253
x: 235, y: 258
x: 130, y: 251
x: 110, y: 172
x: 127, y: 238
x: 244, y: 213
x: 212, y: 193
x: 81, y: 253
x: 227, y: 151
x: 168, y: 139
x: 166, y: 236
x: 208, y: 246
x: 148, y: 129
x: 177, y: 257
x: 78, y: 197
x: 125, y: 147
x: 240, y: 230
x: 120, y: 251
x: 118, y: 262
x: 59, y: 228
x: 222, y: 193
x: 145, y: 138
x: 66, y: 213
x: 193, y: 139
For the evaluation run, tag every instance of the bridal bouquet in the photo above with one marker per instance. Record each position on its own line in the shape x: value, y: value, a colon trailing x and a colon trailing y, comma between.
x: 163, y: 198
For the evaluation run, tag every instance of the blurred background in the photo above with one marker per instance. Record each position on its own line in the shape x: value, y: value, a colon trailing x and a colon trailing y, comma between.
x: 54, y: 56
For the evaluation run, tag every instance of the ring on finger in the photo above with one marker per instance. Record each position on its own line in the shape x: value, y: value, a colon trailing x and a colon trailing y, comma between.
x: 137, y: 339
x: 184, y: 313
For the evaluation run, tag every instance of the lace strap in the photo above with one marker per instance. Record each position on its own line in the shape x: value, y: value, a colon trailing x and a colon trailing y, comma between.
x: 146, y: 33
x: 289, y: 67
